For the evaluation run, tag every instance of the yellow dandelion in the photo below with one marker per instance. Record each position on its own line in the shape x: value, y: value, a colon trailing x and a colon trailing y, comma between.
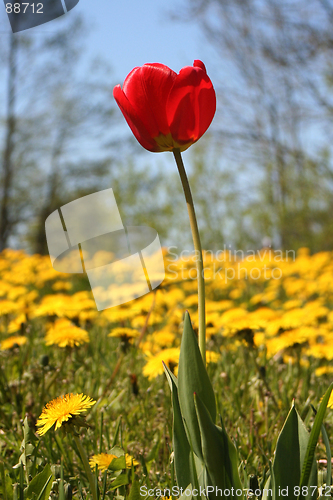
x: 170, y: 357
x: 235, y: 294
x: 15, y: 340
x: 124, y: 332
x: 63, y: 333
x: 103, y: 461
x: 163, y: 337
x: 154, y: 366
x: 62, y: 409
x: 16, y: 324
x: 61, y: 285
x: 212, y: 357
x: 323, y: 370
x: 229, y: 317
x: 16, y: 291
x: 7, y: 307
x: 119, y: 314
x: 56, y: 304
x: 129, y: 459
x: 330, y: 402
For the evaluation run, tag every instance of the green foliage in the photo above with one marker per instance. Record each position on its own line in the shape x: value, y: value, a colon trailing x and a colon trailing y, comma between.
x: 314, y: 435
x: 193, y: 378
x: 213, y: 462
x: 140, y: 424
x: 135, y: 491
x: 6, y: 486
x: 289, y: 457
x: 203, y: 451
x: 40, y: 486
x: 219, y: 453
x: 181, y: 447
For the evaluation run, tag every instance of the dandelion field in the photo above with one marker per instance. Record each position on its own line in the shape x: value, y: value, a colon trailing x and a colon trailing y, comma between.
x: 269, y: 340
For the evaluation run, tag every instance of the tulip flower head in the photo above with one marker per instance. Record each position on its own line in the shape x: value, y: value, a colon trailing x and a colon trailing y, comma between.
x: 166, y: 110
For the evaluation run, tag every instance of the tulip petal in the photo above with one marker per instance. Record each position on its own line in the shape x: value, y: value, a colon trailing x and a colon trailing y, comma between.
x: 191, y: 104
x: 147, y: 89
x: 138, y: 128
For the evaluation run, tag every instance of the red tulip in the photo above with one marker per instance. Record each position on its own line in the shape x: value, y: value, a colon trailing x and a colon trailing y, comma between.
x: 166, y: 111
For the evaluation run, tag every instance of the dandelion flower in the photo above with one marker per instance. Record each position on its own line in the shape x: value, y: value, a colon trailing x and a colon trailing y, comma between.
x: 170, y: 357
x: 61, y: 285
x: 154, y: 366
x: 322, y: 370
x: 62, y: 409
x: 7, y: 307
x: 63, y: 333
x: 103, y: 461
x: 15, y: 340
x: 124, y: 332
x: 213, y: 357
x: 330, y: 401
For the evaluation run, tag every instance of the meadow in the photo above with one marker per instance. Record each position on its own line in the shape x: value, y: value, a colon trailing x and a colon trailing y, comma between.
x: 269, y: 342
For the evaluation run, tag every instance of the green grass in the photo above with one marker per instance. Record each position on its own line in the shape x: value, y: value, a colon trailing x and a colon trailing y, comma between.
x: 253, y: 395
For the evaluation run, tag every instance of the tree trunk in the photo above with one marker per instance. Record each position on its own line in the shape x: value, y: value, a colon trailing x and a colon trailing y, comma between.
x: 7, y: 161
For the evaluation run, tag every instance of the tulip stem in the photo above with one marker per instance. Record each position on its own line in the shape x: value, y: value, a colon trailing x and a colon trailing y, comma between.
x: 198, y: 251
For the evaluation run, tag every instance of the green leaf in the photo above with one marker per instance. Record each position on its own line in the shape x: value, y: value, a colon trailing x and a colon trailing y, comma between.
x: 118, y: 463
x: 61, y: 485
x: 266, y: 494
x: 193, y: 378
x: 121, y: 480
x: 118, y: 451
x: 219, y: 453
x: 154, y: 452
x: 134, y: 494
x: 40, y: 486
x: 328, y: 455
x: 289, y: 457
x: 314, y: 435
x: 200, y: 477
x: 29, y: 436
x: 116, y: 434
x: 187, y: 497
x: 170, y: 376
x: 6, y: 487
x: 181, y: 446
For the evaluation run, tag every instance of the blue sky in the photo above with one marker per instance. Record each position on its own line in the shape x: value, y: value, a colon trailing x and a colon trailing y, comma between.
x: 131, y: 33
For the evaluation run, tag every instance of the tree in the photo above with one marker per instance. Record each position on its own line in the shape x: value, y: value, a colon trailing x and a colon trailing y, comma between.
x: 53, y: 109
x: 274, y: 92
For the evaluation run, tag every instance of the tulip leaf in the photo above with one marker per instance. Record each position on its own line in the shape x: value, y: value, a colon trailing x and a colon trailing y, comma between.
x: 193, y: 378
x: 184, y: 496
x: 219, y: 453
x: 181, y: 446
x: 201, y: 473
x: 290, y: 452
x: 328, y: 455
x: 170, y: 376
x: 266, y: 494
x: 314, y: 435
